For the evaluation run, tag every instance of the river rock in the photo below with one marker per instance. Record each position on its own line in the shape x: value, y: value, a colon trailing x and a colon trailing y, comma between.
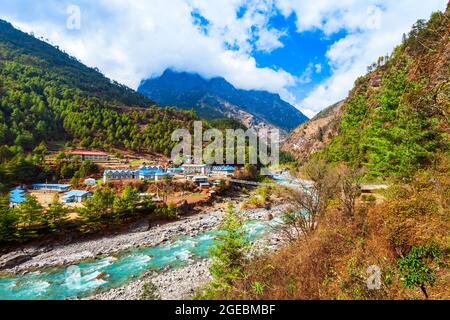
x: 101, y: 276
x: 140, y: 226
x: 13, y: 259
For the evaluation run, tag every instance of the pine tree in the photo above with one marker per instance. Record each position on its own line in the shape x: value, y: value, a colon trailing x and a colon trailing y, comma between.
x: 55, y: 214
x: 228, y: 254
x: 8, y: 220
x: 30, y: 217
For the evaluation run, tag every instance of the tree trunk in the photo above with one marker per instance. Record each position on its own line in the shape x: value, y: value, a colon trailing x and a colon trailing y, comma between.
x: 422, y: 287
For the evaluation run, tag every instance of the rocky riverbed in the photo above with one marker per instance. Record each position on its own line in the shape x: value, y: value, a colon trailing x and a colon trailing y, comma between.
x: 175, y: 283
x: 181, y: 283
x: 172, y: 284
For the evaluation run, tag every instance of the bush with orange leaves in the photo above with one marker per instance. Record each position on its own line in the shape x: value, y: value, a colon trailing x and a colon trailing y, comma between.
x: 332, y: 262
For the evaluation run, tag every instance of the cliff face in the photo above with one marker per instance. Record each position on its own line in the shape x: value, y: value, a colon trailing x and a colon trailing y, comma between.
x: 314, y: 135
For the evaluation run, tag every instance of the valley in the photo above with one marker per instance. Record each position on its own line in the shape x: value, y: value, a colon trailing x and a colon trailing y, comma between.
x: 95, y: 203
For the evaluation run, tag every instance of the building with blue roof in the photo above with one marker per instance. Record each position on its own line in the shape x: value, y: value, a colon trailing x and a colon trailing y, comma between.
x: 76, y: 196
x: 17, y: 196
x: 224, y: 170
x: 124, y: 174
x: 178, y: 170
x: 51, y: 187
x: 146, y: 173
x: 151, y: 168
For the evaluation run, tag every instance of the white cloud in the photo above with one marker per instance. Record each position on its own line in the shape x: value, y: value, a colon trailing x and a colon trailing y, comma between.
x: 269, y: 40
x: 318, y: 68
x: 374, y: 29
x: 306, y: 76
x: 133, y: 40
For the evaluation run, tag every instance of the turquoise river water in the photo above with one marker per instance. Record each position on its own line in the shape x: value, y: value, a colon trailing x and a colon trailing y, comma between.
x: 89, y: 277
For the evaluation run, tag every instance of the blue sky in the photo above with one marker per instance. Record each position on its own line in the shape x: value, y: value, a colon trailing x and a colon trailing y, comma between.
x: 310, y: 52
x: 303, y: 54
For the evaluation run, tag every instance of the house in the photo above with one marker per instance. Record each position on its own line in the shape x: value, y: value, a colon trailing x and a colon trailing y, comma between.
x: 89, y: 155
x: 223, y: 170
x: 76, y: 196
x: 159, y: 176
x: 151, y: 168
x: 176, y: 171
x: 189, y: 169
x: 200, y: 179
x: 90, y: 182
x: 50, y: 187
x: 124, y: 174
x: 17, y: 196
x: 152, y: 173
x: 146, y: 173
x: 204, y: 185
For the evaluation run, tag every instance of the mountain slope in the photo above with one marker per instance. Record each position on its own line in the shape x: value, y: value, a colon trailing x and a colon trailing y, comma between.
x: 26, y: 49
x: 396, y: 118
x: 313, y: 135
x: 395, y: 124
x: 216, y: 98
x: 47, y: 96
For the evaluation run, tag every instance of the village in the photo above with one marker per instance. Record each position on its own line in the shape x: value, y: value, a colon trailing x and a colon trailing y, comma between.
x: 203, y: 180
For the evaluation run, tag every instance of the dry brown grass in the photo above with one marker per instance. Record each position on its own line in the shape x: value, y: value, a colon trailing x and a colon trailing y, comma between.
x: 331, y: 263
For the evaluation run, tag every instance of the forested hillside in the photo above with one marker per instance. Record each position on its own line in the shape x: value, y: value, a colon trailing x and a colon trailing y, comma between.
x: 48, y: 96
x: 343, y: 243
x: 25, y: 49
x: 396, y: 119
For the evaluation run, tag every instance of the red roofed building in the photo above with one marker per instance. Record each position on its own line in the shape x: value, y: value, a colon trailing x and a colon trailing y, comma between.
x: 90, y: 155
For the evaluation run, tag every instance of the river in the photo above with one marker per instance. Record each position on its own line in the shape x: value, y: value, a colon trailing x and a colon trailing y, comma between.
x: 94, y: 276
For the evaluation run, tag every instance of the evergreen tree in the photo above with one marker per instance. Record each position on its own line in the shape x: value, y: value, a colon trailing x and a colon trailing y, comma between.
x: 228, y: 254
x: 8, y: 220
x: 31, y: 217
x: 55, y: 214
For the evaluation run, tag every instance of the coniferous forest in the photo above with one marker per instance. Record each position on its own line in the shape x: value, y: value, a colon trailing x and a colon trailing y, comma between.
x: 48, y: 96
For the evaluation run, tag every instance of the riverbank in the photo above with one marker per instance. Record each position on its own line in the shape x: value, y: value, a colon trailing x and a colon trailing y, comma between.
x: 114, y: 266
x: 182, y: 283
x: 61, y: 255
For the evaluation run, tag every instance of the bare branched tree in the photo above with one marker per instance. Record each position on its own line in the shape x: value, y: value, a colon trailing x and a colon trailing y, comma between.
x: 350, y: 188
x: 310, y: 200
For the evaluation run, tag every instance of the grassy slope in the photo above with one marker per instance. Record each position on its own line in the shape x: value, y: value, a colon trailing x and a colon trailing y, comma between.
x: 395, y: 120
x: 395, y: 128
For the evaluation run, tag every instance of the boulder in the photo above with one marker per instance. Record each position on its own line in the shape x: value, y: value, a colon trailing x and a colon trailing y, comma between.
x: 140, y: 226
x: 13, y: 259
